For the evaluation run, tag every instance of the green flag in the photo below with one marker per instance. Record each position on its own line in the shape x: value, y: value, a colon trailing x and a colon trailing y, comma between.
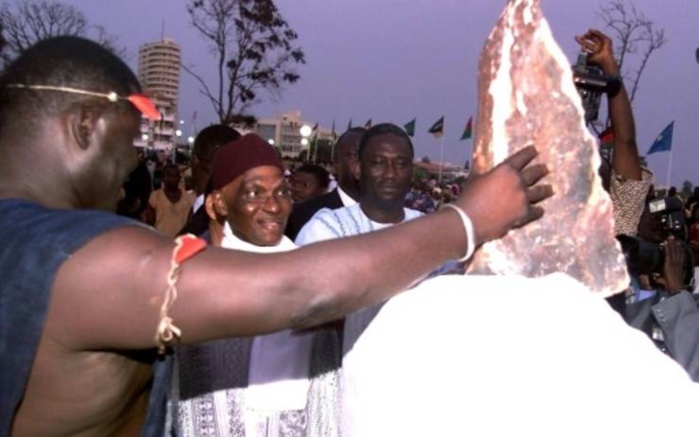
x: 367, y: 125
x: 410, y: 127
x: 437, y: 128
x: 349, y: 125
x: 467, y: 130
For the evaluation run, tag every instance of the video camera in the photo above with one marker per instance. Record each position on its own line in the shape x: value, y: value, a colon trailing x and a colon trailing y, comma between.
x: 668, y: 224
x: 644, y: 257
x: 591, y: 83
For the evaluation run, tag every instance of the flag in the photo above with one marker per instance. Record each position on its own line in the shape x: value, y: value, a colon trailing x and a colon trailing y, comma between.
x: 467, y: 130
x: 349, y: 125
x: 664, y: 141
x: 606, y: 137
x: 410, y: 127
x: 437, y: 128
x: 367, y: 125
x: 315, y: 128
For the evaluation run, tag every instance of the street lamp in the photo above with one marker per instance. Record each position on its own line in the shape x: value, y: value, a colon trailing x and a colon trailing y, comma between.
x: 305, y: 131
x: 270, y: 141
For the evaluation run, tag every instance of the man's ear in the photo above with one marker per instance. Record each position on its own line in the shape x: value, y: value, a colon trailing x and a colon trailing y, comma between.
x: 218, y: 206
x: 210, y: 207
x: 83, y: 119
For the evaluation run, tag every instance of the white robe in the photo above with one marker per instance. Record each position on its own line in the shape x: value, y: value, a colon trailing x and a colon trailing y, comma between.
x: 269, y: 393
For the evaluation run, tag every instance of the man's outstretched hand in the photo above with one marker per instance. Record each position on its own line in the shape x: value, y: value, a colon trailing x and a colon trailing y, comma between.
x: 506, y: 197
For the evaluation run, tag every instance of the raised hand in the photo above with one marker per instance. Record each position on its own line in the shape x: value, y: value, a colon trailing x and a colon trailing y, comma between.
x: 601, y: 50
x: 506, y: 197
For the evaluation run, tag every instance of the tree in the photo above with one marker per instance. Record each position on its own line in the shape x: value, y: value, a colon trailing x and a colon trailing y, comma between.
x: 320, y: 150
x: 687, y: 189
x: 254, y: 50
x: 634, y: 35
x: 26, y: 22
x: 426, y: 160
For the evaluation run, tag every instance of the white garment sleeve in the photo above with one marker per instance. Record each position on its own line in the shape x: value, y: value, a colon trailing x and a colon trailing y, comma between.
x: 320, y: 227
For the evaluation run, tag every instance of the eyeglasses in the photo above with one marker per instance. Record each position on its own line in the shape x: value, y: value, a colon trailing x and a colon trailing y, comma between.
x: 139, y: 101
x: 261, y: 197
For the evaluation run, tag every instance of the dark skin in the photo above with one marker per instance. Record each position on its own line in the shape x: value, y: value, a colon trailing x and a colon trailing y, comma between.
x: 385, y: 172
x: 86, y: 378
x: 304, y: 186
x: 171, y: 184
x: 672, y: 279
x: 201, y: 172
x: 256, y: 205
x: 171, y: 188
x: 345, y: 158
x: 625, y: 161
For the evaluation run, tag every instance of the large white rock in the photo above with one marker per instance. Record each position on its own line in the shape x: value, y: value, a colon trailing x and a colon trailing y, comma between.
x: 509, y: 356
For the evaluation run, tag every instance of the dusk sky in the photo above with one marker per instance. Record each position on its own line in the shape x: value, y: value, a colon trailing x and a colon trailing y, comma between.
x: 393, y: 60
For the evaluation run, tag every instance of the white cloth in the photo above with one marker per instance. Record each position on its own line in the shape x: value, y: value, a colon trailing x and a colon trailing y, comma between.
x: 279, y: 362
x: 332, y: 184
x: 198, y: 202
x: 328, y: 224
x: 510, y: 356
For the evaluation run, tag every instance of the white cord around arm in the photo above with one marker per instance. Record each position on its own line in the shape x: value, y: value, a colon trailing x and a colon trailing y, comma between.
x: 468, y: 228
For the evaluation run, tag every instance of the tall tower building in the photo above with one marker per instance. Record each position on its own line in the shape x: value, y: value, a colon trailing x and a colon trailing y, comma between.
x: 159, y: 74
x: 159, y: 68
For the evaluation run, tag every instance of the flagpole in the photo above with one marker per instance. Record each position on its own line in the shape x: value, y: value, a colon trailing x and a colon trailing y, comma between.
x: 441, y: 157
x: 669, y: 168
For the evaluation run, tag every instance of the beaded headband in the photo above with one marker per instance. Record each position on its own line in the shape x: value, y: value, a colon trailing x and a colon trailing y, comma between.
x: 141, y: 102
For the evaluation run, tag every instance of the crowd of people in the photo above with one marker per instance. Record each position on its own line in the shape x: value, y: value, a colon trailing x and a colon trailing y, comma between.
x: 239, y: 326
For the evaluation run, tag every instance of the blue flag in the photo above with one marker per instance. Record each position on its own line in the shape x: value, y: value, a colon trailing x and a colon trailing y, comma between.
x: 664, y: 141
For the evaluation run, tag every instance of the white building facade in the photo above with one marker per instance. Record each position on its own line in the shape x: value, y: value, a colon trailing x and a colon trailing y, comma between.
x: 159, y: 74
x: 284, y: 132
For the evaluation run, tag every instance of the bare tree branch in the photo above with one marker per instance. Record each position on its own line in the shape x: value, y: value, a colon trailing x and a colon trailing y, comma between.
x: 34, y: 20
x: 635, y: 36
x: 253, y: 47
x: 204, y: 90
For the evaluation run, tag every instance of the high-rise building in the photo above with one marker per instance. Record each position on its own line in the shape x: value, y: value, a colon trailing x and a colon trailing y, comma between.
x: 159, y: 74
x: 159, y: 68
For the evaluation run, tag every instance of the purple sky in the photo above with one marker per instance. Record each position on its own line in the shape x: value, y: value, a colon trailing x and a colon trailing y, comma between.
x: 392, y: 60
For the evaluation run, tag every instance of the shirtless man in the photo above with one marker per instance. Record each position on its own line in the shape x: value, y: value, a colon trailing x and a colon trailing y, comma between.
x: 83, y: 289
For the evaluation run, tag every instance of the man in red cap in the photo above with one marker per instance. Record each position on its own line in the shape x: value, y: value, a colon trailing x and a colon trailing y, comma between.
x: 261, y: 382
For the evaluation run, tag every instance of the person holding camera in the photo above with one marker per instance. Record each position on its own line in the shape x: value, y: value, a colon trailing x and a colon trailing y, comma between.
x: 676, y: 314
x: 626, y: 181
x: 661, y: 262
x: 624, y: 178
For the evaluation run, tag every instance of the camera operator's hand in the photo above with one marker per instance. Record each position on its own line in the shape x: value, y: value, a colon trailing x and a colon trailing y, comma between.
x: 625, y: 162
x: 601, y: 50
x: 505, y: 197
x: 673, y: 269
